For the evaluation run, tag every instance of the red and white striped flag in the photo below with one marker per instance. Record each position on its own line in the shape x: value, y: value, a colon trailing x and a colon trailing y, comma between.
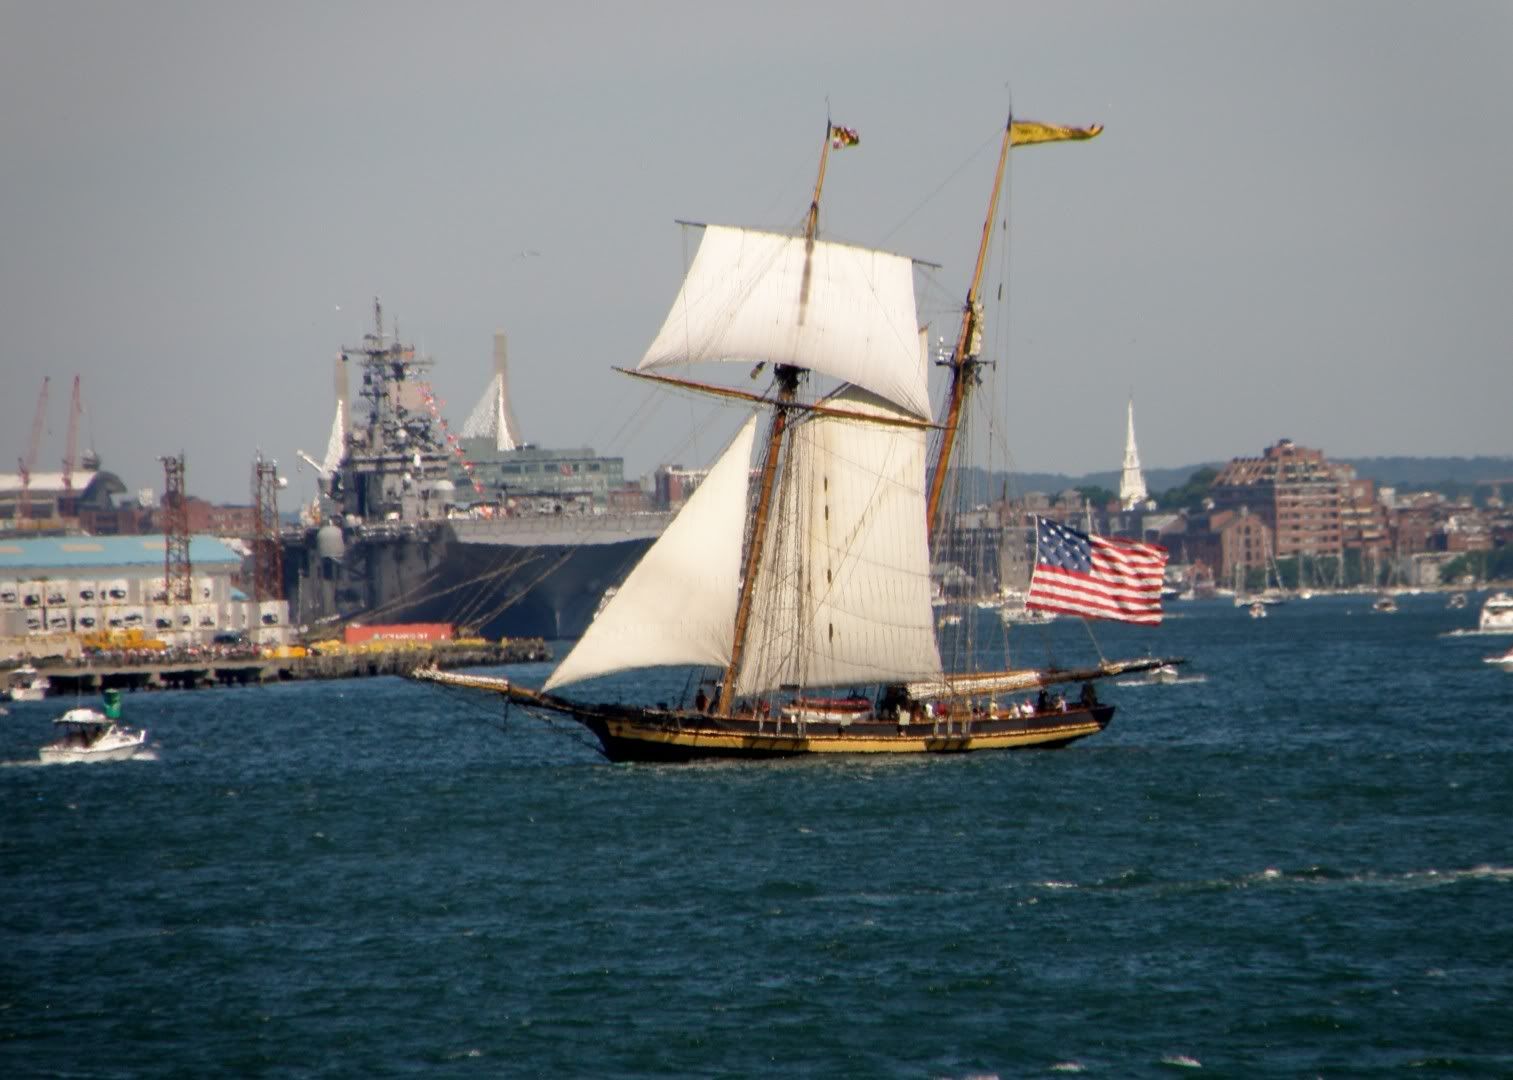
x: 1095, y: 576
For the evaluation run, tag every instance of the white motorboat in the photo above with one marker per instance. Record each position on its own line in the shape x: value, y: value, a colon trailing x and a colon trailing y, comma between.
x: 1015, y: 612
x: 1502, y: 660
x: 90, y: 735
x: 1497, y: 613
x: 26, y: 683
x: 1384, y: 605
x: 1257, y: 610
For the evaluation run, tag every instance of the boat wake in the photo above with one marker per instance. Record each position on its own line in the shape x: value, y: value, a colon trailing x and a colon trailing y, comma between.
x: 37, y: 763
x: 1183, y: 680
x: 1307, y: 876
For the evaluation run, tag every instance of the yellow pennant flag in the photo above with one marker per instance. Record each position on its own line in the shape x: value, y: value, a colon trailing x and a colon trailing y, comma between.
x: 1029, y: 132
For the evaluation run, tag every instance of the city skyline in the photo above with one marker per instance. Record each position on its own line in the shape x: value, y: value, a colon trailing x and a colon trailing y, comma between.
x: 1294, y: 223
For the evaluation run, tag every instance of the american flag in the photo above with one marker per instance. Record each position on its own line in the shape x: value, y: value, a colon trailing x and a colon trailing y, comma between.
x: 1095, y: 576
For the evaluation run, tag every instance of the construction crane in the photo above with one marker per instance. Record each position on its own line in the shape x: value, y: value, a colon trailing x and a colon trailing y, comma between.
x: 70, y: 457
x: 178, y: 572
x: 267, y: 556
x: 24, y: 505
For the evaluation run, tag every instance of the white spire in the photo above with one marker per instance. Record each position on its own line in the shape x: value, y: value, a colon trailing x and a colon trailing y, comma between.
x: 1132, y: 484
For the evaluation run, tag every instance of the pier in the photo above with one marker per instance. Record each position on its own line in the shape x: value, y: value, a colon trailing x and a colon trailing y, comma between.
x: 190, y: 672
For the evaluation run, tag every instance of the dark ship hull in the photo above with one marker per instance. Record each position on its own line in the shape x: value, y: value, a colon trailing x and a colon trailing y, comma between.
x: 634, y: 737
x: 495, y: 579
x: 660, y: 734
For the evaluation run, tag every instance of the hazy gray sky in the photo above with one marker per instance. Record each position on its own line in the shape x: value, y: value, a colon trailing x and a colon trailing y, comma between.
x: 1299, y: 221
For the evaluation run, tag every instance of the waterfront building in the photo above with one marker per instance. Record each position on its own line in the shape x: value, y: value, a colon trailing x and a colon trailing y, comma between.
x: 1364, y: 526
x: 51, y: 502
x: 61, y: 586
x: 493, y: 465
x: 1294, y: 490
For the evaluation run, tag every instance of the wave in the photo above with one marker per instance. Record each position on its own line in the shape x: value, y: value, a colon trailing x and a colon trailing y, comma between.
x: 1132, y: 880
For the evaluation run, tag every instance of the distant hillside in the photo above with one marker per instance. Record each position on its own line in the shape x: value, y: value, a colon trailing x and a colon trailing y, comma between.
x: 1404, y: 473
x: 1412, y: 472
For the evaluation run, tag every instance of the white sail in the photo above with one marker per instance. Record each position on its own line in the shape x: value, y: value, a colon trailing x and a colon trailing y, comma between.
x: 843, y: 594
x: 845, y: 311
x: 678, y: 605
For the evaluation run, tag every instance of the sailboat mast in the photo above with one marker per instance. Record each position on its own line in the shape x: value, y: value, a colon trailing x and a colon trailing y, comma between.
x: 787, y: 377
x: 964, y: 358
x: 812, y: 221
x: 963, y: 364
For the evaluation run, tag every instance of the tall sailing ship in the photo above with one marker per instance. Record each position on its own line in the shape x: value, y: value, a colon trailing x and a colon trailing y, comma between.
x: 803, y: 584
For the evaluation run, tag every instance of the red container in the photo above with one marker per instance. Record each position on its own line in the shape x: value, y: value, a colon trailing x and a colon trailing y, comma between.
x: 357, y: 634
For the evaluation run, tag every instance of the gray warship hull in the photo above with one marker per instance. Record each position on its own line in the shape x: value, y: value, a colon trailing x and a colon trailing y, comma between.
x: 514, y: 577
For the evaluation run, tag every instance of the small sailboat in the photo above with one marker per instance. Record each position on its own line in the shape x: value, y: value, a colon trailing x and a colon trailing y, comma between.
x: 808, y: 587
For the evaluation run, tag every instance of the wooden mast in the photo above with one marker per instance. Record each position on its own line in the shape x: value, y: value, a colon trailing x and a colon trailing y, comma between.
x: 964, y: 363
x: 964, y: 357
x: 787, y: 377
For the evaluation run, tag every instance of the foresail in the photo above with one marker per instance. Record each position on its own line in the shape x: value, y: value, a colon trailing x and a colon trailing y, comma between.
x: 678, y: 605
x: 845, y: 311
x: 843, y: 597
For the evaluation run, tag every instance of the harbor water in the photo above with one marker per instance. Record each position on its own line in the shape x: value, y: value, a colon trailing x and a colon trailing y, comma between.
x: 1295, y: 862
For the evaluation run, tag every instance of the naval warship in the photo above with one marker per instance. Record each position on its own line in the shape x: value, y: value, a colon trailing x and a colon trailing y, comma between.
x: 417, y: 523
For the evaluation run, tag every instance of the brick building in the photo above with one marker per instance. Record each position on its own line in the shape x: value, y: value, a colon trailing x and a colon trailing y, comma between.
x: 1294, y: 490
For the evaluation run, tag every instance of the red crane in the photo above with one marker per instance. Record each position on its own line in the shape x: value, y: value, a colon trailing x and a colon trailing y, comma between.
x: 24, y: 505
x: 70, y: 458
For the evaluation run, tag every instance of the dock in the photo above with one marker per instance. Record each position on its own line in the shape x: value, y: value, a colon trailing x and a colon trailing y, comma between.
x: 189, y: 672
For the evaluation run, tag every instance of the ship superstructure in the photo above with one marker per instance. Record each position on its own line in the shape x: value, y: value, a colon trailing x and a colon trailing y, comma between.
x: 415, y: 523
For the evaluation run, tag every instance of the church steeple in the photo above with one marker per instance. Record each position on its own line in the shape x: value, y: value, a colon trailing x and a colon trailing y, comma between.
x: 1132, y: 483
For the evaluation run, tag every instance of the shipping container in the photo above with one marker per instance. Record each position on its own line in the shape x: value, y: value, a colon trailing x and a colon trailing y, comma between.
x: 355, y: 634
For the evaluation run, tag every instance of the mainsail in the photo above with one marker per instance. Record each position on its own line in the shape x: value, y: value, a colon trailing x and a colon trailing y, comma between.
x: 844, y: 311
x: 678, y: 605
x: 843, y: 597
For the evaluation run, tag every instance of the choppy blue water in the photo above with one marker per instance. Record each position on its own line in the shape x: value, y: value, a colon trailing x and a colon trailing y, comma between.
x: 1298, y: 864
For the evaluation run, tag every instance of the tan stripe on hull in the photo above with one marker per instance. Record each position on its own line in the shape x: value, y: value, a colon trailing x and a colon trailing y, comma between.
x: 849, y: 744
